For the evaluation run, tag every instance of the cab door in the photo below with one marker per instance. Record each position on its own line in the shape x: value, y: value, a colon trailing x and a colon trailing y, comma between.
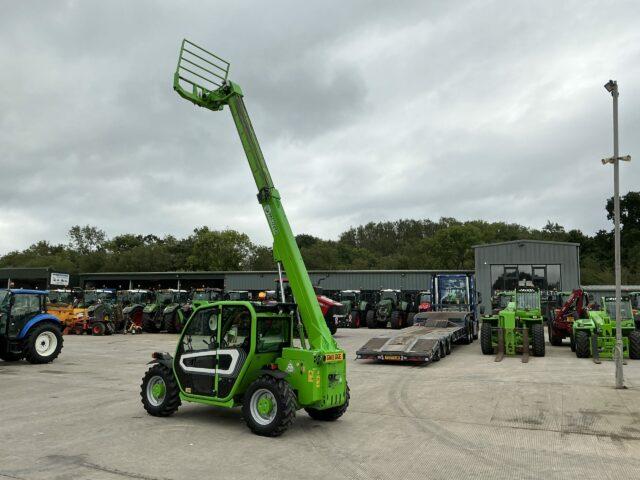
x: 213, y: 348
x: 23, y: 308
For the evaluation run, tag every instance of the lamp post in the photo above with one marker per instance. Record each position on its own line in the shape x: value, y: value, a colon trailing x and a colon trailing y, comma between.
x: 612, y: 87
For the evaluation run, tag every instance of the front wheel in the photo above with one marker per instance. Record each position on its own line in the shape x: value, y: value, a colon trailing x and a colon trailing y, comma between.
x: 397, y: 320
x: 330, y: 414
x: 43, y: 343
x: 634, y: 345
x: 583, y: 348
x: 159, y: 391
x: 537, y: 340
x: 355, y: 319
x: 269, y: 406
x: 98, y: 328
x: 554, y: 339
x: 371, y: 319
x: 148, y: 323
x: 486, y: 340
x: 9, y: 356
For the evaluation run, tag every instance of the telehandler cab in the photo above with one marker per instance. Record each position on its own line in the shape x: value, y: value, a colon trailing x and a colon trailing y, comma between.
x: 234, y: 353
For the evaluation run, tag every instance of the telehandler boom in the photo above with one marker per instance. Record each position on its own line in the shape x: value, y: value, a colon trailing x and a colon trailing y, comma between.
x: 235, y: 353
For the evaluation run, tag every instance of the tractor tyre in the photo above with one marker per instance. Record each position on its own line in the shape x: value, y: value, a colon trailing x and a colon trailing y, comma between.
x: 44, y: 343
x: 98, y: 328
x: 330, y: 414
x: 553, y: 338
x: 410, y: 320
x: 148, y: 323
x: 396, y: 319
x: 486, y: 342
x: 634, y: 345
x: 583, y: 347
x: 371, y: 319
x: 355, y: 319
x: 332, y: 325
x: 537, y: 340
x: 269, y: 406
x: 170, y: 322
x: 159, y: 391
x: 572, y: 342
x: 468, y: 335
x: 9, y: 356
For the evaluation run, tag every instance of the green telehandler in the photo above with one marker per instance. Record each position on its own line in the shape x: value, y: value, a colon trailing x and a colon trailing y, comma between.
x: 595, y: 336
x: 516, y: 328
x: 238, y: 353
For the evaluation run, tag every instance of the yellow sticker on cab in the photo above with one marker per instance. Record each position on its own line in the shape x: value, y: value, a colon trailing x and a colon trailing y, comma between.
x: 333, y: 357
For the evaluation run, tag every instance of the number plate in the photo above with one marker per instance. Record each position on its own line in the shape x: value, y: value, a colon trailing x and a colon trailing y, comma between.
x: 334, y: 357
x: 392, y: 357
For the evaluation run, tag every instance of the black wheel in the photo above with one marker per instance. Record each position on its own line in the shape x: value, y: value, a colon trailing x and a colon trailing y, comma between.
x: 355, y: 319
x: 537, y: 340
x: 468, y: 335
x: 397, y: 319
x: 269, y: 406
x: 634, y: 345
x: 553, y: 337
x: 332, y: 324
x: 410, y: 316
x: 98, y: 328
x: 371, y: 319
x: 170, y: 321
x: 330, y: 414
x: 159, y: 391
x: 486, y: 342
x: 44, y: 343
x: 9, y: 356
x: 572, y: 343
x: 148, y: 323
x: 582, y: 341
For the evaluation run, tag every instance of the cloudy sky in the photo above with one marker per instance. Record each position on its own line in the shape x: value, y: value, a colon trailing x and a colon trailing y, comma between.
x: 366, y: 111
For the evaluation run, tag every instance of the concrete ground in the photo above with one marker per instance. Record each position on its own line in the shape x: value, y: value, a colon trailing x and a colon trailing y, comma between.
x: 556, y: 417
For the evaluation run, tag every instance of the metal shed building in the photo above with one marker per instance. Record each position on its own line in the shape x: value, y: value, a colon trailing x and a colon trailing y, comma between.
x: 548, y: 265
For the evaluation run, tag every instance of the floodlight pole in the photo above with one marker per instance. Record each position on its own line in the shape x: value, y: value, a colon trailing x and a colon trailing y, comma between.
x: 612, y: 87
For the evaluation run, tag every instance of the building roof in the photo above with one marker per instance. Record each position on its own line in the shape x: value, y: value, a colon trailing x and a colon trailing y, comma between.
x: 511, y: 242
x: 627, y: 288
x: 254, y: 272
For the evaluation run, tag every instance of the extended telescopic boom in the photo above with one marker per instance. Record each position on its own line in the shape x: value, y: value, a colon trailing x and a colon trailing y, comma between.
x: 205, y: 77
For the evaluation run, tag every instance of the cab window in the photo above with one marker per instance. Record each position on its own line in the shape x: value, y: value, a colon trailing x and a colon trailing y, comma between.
x: 273, y: 334
x: 202, y: 331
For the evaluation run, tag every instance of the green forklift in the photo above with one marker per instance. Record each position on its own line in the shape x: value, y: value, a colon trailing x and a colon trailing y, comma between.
x: 595, y: 336
x: 518, y: 328
x: 239, y: 353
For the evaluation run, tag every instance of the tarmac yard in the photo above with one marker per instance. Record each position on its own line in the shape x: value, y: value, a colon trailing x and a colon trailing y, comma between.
x: 466, y: 416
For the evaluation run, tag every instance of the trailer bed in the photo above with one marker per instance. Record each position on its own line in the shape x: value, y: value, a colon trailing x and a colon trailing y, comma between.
x: 428, y: 341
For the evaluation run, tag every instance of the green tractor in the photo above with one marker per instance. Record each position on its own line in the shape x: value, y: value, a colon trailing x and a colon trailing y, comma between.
x: 166, y: 313
x: 515, y: 328
x: 596, y: 336
x: 203, y: 295
x: 133, y: 304
x: 355, y: 306
x: 239, y: 353
x: 238, y: 295
x: 104, y: 314
x: 392, y: 308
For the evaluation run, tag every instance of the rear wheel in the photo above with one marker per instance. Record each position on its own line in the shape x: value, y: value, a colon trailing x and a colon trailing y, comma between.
x: 330, y: 414
x: 159, y: 391
x: 43, y: 343
x: 634, y: 345
x: 582, y: 345
x: 355, y: 319
x: 148, y: 323
x: 269, y: 406
x: 397, y: 319
x: 371, y: 319
x: 486, y: 342
x: 537, y: 340
x: 554, y: 339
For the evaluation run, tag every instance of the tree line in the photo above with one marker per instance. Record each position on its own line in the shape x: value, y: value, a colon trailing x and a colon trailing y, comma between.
x: 401, y: 244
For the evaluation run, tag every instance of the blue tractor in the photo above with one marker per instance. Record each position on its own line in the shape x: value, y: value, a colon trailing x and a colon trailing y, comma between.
x: 26, y: 329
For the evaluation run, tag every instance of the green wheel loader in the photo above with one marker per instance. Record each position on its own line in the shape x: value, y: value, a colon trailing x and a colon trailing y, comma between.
x: 237, y: 353
x: 518, y: 328
x: 596, y: 336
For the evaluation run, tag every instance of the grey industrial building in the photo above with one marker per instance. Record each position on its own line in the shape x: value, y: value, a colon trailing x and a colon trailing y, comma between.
x: 548, y: 265
x: 329, y: 280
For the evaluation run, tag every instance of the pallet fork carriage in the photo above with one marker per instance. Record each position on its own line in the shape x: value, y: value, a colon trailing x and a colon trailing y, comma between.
x: 237, y: 353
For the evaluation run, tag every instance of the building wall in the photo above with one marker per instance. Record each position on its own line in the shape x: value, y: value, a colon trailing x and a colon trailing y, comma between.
x: 599, y: 291
x: 567, y: 255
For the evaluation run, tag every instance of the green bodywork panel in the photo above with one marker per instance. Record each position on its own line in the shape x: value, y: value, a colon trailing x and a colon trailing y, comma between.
x: 208, y: 86
x: 603, y: 324
x: 521, y: 313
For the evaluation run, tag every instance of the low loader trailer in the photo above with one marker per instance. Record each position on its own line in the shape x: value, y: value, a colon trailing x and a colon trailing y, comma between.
x: 430, y: 338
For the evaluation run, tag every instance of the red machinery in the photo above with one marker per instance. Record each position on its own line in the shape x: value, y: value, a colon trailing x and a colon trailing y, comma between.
x: 561, y: 325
